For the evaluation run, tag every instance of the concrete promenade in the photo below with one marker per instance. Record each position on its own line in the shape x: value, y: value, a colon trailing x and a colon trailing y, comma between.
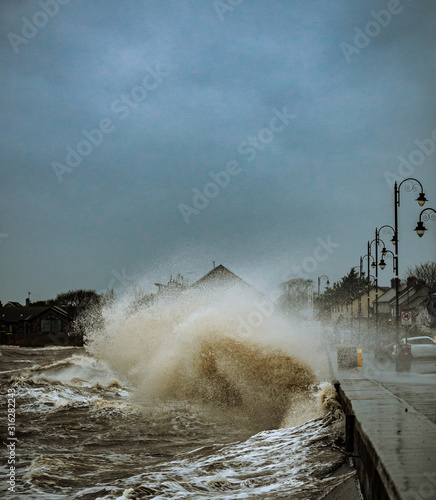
x: 391, y: 428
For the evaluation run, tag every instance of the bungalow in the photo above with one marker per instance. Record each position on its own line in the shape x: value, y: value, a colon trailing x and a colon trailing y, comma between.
x: 220, y: 275
x: 19, y: 322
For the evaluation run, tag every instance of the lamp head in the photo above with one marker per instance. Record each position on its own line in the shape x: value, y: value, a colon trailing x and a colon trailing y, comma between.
x: 384, y: 251
x: 382, y: 264
x: 394, y: 240
x: 373, y: 265
x: 421, y: 199
x: 420, y: 229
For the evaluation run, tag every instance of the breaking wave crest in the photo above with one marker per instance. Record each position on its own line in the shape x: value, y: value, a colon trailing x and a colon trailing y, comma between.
x: 194, y: 346
x: 178, y: 399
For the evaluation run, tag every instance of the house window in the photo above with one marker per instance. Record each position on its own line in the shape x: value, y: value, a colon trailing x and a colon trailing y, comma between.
x: 50, y: 324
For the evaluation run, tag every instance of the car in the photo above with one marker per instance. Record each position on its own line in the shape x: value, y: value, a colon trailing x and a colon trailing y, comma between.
x: 421, y: 347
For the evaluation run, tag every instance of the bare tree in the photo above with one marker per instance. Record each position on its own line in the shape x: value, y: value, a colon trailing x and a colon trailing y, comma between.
x: 295, y: 294
x: 76, y: 298
x: 425, y: 272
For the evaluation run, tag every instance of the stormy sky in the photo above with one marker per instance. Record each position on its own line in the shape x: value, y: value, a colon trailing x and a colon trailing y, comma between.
x: 144, y: 139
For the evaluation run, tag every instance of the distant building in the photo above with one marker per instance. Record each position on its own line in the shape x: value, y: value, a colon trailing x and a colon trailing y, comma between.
x: 19, y: 322
x: 358, y: 307
x: 177, y: 284
x: 220, y: 275
x: 414, y: 297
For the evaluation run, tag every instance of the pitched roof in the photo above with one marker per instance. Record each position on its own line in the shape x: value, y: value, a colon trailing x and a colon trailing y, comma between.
x: 219, y: 275
x: 389, y: 295
x: 414, y: 295
x: 364, y: 293
x: 15, y: 314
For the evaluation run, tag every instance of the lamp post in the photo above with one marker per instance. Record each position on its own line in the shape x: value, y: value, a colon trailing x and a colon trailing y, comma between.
x: 361, y: 275
x: 385, y: 228
x: 384, y: 251
x: 401, y: 363
x: 374, y: 265
x: 420, y: 228
x: 358, y: 291
x: 382, y: 263
x: 319, y: 282
x: 370, y: 277
x: 367, y: 256
x: 319, y: 292
x: 412, y: 186
x: 359, y: 295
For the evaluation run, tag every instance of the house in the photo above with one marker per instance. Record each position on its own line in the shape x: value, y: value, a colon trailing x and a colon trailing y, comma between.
x: 413, y: 297
x: 19, y: 322
x: 220, y: 275
x: 362, y: 303
x: 357, y: 307
x: 384, y: 302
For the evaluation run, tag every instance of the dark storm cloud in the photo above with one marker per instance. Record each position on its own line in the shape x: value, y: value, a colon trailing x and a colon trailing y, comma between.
x: 324, y: 173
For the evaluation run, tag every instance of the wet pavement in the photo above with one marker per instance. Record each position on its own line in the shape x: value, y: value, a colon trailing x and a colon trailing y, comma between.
x: 395, y: 427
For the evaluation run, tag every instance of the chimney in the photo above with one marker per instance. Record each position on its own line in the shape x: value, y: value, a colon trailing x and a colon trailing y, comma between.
x: 27, y: 302
x: 393, y: 281
x: 1, y: 305
x: 411, y: 281
x: 213, y: 262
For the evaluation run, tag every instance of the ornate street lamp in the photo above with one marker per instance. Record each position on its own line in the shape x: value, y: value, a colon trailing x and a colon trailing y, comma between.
x: 358, y: 291
x: 420, y: 228
x: 387, y: 229
x: 367, y: 256
x: 374, y: 265
x: 382, y: 263
x: 410, y: 184
x: 319, y: 282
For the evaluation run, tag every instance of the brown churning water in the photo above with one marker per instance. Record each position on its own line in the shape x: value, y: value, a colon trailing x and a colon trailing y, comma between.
x: 176, y: 400
x: 191, y: 346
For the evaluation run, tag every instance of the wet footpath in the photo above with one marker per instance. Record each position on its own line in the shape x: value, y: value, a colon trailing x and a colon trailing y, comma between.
x: 391, y: 428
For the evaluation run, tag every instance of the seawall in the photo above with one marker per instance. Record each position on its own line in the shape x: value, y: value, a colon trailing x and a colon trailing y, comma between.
x: 392, y: 444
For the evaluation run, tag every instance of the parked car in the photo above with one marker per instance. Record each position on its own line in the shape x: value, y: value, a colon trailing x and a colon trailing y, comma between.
x: 421, y: 347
